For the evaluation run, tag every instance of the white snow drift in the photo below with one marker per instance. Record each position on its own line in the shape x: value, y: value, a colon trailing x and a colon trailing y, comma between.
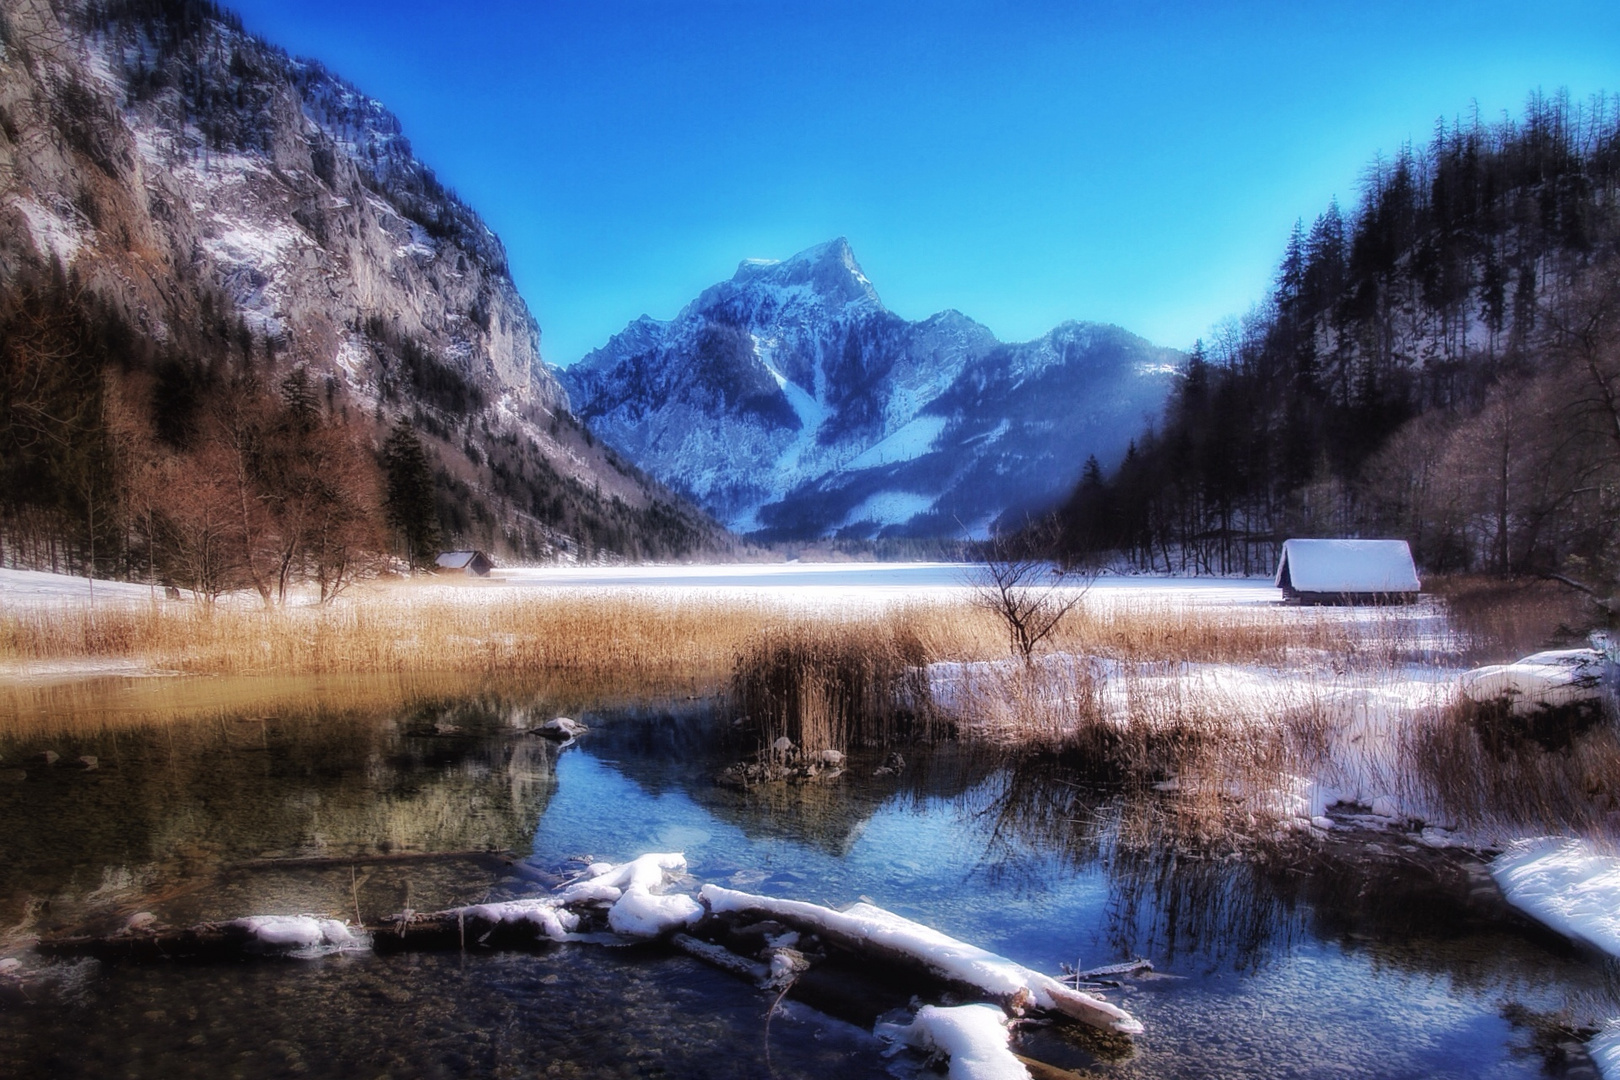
x: 973, y: 1036
x: 1542, y: 681
x: 1565, y: 884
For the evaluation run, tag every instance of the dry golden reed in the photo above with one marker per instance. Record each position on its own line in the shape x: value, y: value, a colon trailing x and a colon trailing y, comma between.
x: 833, y: 687
x: 402, y: 629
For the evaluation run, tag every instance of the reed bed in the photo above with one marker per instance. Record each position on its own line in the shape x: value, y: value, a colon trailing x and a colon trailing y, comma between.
x: 623, y: 633
x: 1162, y: 631
x: 1496, y: 620
x: 1483, y: 770
x: 834, y: 687
x: 622, y: 636
x: 1121, y: 696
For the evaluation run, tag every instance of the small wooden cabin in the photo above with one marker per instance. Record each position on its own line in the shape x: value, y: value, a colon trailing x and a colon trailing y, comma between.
x: 1348, y: 572
x: 471, y: 563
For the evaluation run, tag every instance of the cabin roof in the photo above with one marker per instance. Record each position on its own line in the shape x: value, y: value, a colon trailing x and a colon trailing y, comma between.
x: 459, y: 560
x: 1347, y: 566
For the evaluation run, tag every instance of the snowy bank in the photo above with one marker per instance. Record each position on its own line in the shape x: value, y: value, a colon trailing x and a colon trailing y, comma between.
x: 1565, y: 884
x: 1545, y: 680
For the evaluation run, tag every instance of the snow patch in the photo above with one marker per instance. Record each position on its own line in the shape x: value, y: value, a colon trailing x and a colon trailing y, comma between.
x: 302, y: 936
x: 1565, y: 884
x: 974, y: 1037
x: 907, y: 443
x: 54, y: 233
x: 889, y: 508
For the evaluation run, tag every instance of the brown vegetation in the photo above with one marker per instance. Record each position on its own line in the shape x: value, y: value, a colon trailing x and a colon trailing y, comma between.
x: 1560, y: 774
x: 1495, y: 620
x: 833, y: 687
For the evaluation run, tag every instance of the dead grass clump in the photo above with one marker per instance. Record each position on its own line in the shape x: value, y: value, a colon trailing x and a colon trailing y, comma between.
x: 1485, y: 768
x: 1497, y: 620
x: 834, y: 686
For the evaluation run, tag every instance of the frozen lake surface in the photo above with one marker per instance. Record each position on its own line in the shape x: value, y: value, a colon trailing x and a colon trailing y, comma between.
x: 866, y: 581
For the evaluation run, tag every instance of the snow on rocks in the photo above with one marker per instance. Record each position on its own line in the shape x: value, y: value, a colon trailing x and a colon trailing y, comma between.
x: 974, y: 1037
x: 1565, y: 884
x: 1545, y: 680
x: 561, y: 729
x: 873, y: 931
x: 302, y: 936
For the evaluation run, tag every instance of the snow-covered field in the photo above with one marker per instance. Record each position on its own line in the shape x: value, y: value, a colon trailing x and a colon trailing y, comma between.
x: 831, y: 583
x: 865, y: 583
x: 28, y: 587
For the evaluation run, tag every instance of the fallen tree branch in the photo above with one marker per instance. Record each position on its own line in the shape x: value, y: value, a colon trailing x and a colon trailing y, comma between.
x: 870, y: 931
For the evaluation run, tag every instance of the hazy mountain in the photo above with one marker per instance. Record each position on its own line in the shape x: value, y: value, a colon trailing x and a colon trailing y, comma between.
x: 791, y: 403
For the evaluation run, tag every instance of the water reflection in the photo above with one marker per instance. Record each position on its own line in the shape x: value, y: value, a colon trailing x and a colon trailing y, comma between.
x: 1343, y: 959
x: 169, y: 806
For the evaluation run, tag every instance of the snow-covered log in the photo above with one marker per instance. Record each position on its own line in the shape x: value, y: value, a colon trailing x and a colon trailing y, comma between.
x: 298, y: 936
x: 868, y: 930
x: 631, y: 893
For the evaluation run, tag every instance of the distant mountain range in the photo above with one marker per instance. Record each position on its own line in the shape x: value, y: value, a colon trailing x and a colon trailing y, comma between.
x: 792, y: 404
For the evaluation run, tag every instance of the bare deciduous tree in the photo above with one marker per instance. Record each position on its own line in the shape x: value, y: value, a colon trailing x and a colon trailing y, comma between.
x: 1025, y: 590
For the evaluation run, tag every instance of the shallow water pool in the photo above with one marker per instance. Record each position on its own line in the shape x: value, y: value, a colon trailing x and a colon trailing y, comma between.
x: 1338, y: 961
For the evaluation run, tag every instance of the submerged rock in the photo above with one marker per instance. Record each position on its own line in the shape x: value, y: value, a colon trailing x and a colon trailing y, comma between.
x: 892, y: 765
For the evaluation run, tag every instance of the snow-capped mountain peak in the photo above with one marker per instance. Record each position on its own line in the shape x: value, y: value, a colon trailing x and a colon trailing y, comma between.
x: 789, y: 401
x: 821, y: 278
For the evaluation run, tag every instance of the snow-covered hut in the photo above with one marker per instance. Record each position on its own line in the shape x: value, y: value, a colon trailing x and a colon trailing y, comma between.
x: 1347, y: 572
x: 471, y: 563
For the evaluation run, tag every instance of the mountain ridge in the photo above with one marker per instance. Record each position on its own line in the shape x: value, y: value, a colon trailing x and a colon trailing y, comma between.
x: 792, y: 403
x: 242, y: 213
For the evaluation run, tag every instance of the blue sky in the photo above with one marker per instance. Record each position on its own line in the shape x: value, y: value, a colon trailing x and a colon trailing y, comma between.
x: 1135, y: 163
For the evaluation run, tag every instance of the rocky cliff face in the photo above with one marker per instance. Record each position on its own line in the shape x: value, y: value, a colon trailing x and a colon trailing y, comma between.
x: 190, y: 174
x: 792, y: 404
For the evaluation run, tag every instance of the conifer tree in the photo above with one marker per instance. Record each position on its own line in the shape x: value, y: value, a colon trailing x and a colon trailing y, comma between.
x: 409, y: 494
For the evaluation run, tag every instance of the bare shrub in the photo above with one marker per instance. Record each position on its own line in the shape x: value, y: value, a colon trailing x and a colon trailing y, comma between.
x: 1028, y: 593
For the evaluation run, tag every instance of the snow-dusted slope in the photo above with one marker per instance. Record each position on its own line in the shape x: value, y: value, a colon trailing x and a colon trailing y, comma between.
x: 790, y: 402
x: 199, y: 181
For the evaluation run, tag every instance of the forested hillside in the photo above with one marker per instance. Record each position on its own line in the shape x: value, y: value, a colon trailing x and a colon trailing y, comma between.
x: 247, y: 337
x: 1441, y: 364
